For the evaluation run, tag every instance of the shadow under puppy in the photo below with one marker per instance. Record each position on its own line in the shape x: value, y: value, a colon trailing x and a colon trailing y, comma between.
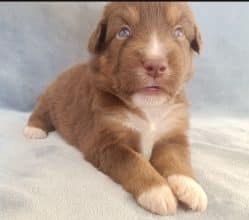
x: 126, y: 108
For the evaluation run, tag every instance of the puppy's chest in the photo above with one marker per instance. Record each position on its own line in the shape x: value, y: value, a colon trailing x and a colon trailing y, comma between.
x: 150, y: 129
x: 159, y: 121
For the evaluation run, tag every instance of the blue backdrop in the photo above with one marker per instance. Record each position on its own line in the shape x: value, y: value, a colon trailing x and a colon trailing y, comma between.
x: 39, y: 40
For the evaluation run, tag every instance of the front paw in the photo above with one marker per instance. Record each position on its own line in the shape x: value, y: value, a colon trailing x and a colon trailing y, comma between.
x: 159, y: 200
x: 188, y: 191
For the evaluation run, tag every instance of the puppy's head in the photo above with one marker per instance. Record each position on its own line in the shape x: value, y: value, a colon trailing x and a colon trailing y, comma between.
x: 143, y: 51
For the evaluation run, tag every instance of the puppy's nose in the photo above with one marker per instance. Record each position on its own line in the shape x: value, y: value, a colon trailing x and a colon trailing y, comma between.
x: 155, y: 68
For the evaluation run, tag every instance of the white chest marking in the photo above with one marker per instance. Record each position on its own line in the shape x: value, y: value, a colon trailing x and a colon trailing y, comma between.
x: 150, y: 130
x: 162, y: 118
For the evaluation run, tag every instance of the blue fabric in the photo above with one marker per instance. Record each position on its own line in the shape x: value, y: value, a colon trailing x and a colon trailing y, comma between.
x: 48, y: 179
x: 39, y: 40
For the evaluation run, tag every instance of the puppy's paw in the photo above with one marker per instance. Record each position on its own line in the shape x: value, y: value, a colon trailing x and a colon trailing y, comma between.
x: 34, y: 133
x: 189, y: 192
x: 159, y: 200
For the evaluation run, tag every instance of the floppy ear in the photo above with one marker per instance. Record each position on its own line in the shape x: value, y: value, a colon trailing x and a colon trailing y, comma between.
x: 97, y: 40
x: 196, y: 43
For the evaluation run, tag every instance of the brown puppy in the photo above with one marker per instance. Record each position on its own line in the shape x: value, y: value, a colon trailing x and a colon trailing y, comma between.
x: 126, y: 108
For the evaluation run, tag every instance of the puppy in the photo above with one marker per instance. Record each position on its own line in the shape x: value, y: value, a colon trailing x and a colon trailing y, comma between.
x: 126, y: 108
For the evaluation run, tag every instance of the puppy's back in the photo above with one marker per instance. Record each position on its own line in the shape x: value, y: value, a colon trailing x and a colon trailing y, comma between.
x: 69, y: 99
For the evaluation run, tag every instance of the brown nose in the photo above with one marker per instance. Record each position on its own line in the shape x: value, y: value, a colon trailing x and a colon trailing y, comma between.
x: 155, y: 68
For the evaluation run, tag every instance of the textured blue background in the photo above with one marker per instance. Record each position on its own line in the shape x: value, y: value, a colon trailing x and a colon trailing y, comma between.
x: 39, y: 40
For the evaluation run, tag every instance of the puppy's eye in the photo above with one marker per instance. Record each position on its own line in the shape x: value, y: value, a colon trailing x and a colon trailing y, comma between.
x: 178, y: 33
x: 124, y: 33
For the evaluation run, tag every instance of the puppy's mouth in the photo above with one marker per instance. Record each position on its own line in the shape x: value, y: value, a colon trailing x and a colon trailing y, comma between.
x: 152, y: 90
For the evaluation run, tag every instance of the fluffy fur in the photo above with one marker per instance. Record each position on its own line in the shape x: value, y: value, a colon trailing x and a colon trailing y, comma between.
x: 126, y: 108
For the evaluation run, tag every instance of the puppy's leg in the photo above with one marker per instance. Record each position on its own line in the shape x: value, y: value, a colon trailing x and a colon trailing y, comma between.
x: 136, y: 175
x: 172, y: 159
x: 39, y: 123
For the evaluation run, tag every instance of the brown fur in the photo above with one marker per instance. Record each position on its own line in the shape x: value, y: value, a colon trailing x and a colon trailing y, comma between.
x: 81, y: 102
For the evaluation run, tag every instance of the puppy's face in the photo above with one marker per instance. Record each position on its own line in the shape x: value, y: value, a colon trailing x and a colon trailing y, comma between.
x: 144, y: 50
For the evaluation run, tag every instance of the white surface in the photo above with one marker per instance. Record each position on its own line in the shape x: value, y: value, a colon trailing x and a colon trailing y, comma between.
x: 48, y: 179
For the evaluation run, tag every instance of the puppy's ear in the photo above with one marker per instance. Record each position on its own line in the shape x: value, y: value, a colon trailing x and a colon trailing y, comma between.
x: 97, y: 40
x: 196, y: 43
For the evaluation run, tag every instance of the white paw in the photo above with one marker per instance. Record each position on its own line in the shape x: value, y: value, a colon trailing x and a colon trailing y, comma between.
x: 159, y: 200
x: 189, y: 192
x: 34, y: 133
